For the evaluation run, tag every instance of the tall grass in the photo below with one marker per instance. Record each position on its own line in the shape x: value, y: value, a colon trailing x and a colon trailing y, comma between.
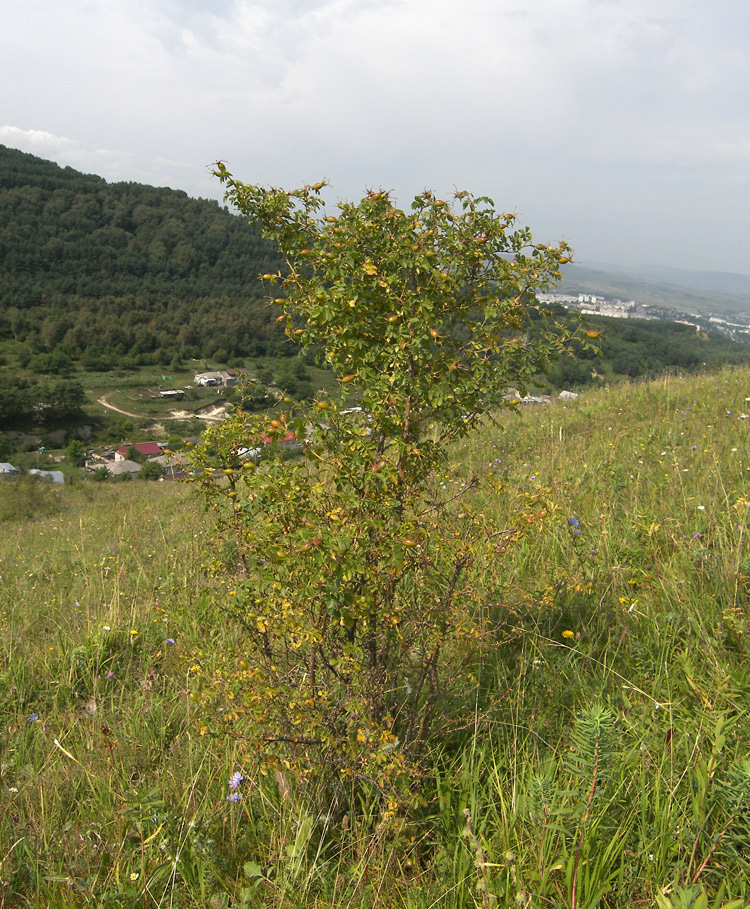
x: 612, y: 769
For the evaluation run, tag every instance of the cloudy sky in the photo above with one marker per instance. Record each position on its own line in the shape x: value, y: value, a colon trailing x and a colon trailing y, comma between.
x: 621, y: 126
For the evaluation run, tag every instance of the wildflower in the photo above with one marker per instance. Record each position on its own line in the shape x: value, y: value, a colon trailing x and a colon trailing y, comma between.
x: 235, y: 780
x: 32, y: 717
x: 234, y: 797
x: 693, y: 448
x: 573, y: 521
x: 110, y: 675
x: 133, y: 632
x: 697, y: 535
x: 170, y: 641
x: 568, y: 633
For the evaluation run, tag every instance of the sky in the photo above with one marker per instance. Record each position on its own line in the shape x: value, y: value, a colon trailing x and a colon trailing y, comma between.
x: 620, y: 126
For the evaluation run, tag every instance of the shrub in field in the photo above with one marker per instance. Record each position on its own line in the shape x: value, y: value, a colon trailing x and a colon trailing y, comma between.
x: 360, y: 602
x: 24, y: 498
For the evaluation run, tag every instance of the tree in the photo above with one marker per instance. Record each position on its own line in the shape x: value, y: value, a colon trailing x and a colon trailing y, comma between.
x: 76, y: 452
x: 361, y: 616
x: 6, y: 447
x: 151, y: 470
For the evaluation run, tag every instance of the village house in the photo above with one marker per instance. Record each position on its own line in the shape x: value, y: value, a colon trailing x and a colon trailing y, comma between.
x: 147, y: 449
x: 118, y: 468
x: 205, y: 379
x: 222, y: 377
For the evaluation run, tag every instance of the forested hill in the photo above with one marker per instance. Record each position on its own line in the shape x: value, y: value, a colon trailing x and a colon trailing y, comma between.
x: 126, y: 274
x: 100, y: 275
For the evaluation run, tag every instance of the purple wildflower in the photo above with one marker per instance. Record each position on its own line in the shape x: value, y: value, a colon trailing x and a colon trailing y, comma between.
x: 170, y: 641
x: 234, y: 797
x: 697, y: 535
x: 235, y: 780
x: 32, y: 717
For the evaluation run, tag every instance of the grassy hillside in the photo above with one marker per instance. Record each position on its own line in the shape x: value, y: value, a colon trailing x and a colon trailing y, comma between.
x: 623, y: 607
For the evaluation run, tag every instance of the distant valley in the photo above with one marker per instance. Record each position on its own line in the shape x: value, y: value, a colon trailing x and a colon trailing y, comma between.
x: 668, y: 292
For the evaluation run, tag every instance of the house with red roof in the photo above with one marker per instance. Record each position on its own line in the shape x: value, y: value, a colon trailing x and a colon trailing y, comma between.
x: 147, y: 449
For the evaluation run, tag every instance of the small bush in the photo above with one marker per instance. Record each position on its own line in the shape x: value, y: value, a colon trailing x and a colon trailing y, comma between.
x: 24, y: 498
x: 360, y: 617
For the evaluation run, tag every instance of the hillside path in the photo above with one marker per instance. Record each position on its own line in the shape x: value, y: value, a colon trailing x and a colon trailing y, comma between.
x: 105, y: 403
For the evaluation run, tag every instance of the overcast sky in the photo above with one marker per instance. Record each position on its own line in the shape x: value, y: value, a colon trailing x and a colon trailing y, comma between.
x: 621, y: 126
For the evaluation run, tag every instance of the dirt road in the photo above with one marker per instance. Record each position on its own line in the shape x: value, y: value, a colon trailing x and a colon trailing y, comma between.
x: 105, y: 403
x: 215, y: 415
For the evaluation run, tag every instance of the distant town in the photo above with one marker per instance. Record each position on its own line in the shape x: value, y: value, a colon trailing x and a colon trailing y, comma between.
x: 593, y: 305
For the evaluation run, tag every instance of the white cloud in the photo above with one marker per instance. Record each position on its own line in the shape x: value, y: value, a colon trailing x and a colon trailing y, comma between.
x: 67, y: 152
x: 545, y: 106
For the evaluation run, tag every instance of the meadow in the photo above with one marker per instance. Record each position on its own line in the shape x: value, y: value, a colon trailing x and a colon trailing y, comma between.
x: 621, y: 617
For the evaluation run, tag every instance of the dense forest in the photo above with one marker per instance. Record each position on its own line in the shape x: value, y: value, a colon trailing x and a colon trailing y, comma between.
x: 125, y: 274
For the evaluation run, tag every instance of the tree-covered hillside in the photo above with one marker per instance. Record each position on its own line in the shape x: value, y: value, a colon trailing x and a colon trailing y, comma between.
x: 97, y: 275
x: 636, y: 348
x: 125, y: 273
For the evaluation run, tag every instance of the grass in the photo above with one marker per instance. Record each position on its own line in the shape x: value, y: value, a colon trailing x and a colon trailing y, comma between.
x: 613, y: 772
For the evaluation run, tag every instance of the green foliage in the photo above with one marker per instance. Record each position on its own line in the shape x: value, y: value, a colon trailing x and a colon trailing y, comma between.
x: 639, y: 348
x: 657, y: 625
x: 24, y: 498
x: 76, y: 452
x: 101, y: 273
x: 151, y: 470
x: 98, y: 276
x: 6, y: 447
x: 361, y: 629
x: 133, y: 454
x: 28, y: 402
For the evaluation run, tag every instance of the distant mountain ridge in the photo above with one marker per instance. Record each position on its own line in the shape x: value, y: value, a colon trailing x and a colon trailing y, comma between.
x: 715, y: 282
x: 723, y: 294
